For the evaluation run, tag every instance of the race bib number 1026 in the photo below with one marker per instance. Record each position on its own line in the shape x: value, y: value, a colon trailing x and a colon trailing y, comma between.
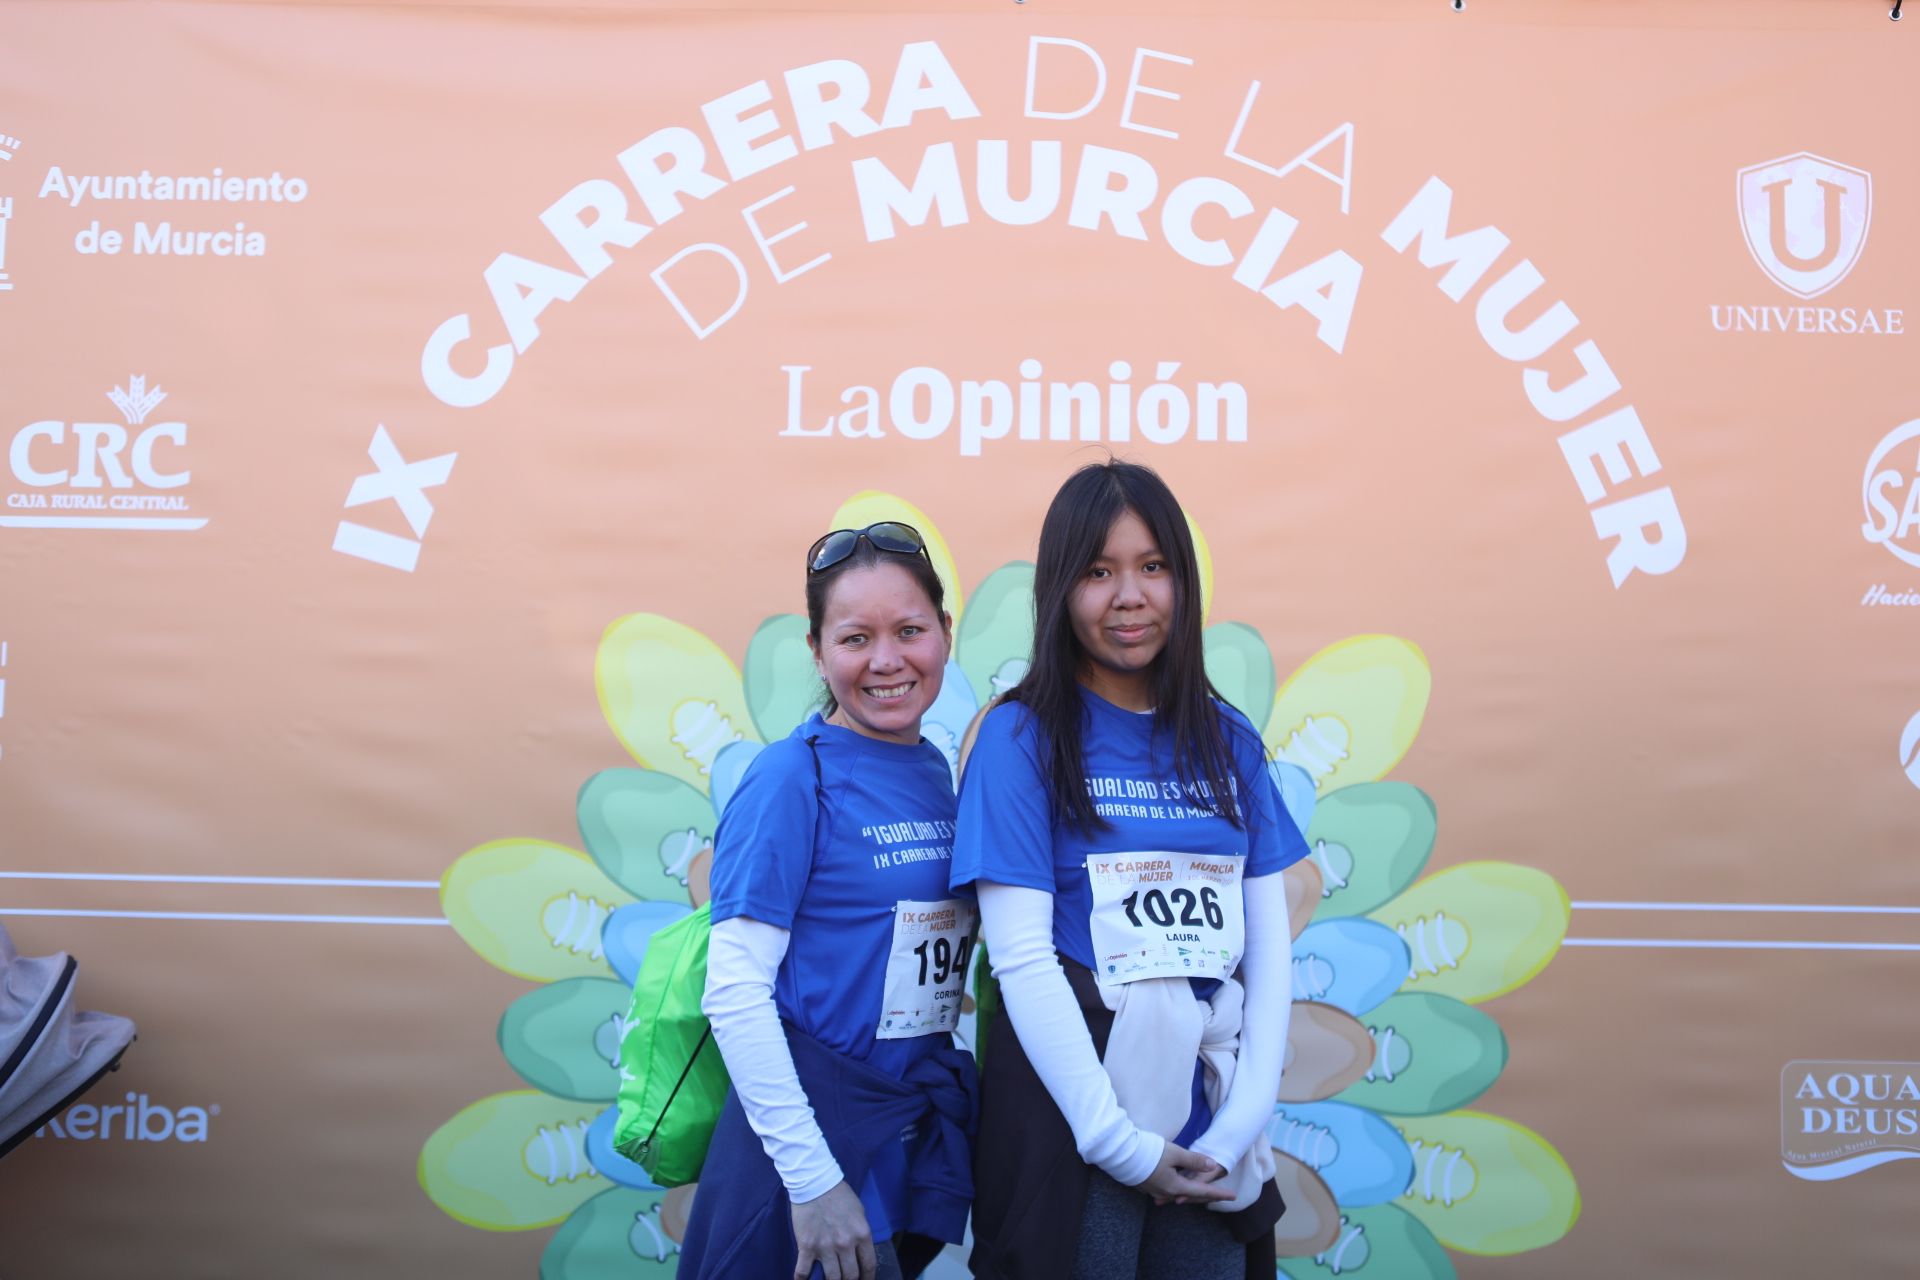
x: 1166, y: 915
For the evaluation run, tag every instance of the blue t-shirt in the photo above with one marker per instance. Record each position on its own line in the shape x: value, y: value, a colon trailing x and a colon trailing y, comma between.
x: 827, y: 862
x: 1008, y: 835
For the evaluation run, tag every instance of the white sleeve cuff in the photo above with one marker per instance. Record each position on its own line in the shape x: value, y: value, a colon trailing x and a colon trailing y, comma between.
x: 743, y: 957
x: 1018, y: 926
x: 1266, y: 973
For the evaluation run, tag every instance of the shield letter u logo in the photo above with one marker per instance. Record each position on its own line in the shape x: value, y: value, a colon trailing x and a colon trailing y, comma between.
x: 1805, y: 219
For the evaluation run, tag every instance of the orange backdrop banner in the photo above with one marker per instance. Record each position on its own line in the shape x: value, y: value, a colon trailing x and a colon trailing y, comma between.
x: 414, y: 416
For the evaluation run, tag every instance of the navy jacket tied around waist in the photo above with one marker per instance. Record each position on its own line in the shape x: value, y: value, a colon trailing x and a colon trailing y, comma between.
x: 742, y: 1224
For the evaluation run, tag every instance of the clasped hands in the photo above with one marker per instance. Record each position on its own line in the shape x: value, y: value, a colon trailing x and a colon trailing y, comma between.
x: 1185, y: 1177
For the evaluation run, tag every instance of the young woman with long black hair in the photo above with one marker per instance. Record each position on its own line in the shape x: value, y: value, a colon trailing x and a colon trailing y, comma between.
x: 1125, y: 839
x: 838, y: 954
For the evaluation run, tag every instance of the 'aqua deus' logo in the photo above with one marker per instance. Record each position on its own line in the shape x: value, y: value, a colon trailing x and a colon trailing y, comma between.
x: 1805, y: 219
x: 1842, y: 1117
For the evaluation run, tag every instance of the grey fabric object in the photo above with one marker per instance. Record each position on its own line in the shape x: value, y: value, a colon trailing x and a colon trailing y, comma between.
x: 1125, y: 1236
x: 50, y: 1051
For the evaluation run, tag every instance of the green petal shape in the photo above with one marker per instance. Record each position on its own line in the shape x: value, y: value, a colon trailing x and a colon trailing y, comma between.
x: 1431, y: 1054
x: 1381, y: 1242
x: 564, y: 1039
x: 995, y: 640
x: 531, y: 907
x: 644, y: 829
x: 617, y: 1235
x: 1371, y: 841
x: 1483, y: 1184
x: 781, y: 682
x: 1241, y: 667
x: 512, y: 1162
x: 1480, y: 929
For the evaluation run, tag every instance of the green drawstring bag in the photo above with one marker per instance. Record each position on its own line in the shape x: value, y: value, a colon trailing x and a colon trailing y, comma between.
x: 673, y: 1081
x: 986, y: 1001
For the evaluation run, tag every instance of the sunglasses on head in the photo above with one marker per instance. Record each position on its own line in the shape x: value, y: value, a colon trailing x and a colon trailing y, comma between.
x: 888, y: 535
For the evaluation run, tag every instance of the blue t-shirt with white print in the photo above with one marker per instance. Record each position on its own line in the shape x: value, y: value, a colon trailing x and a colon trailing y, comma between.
x: 827, y: 861
x: 1008, y: 835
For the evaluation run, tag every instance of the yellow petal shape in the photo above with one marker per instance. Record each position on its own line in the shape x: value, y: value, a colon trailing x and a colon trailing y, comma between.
x: 532, y: 908
x: 1204, y: 554
x: 1483, y: 1184
x: 512, y: 1162
x: 671, y: 695
x: 871, y: 506
x: 1479, y: 929
x: 1351, y: 710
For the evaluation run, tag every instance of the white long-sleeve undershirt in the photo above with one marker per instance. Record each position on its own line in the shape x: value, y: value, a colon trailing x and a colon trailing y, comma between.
x: 1018, y: 926
x: 743, y: 958
x: 1266, y: 974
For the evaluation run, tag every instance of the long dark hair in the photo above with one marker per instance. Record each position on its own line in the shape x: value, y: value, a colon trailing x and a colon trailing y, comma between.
x: 1072, y: 537
x: 866, y: 556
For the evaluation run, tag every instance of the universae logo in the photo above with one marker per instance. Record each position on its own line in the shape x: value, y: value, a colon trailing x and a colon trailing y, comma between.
x: 102, y: 475
x: 1805, y: 220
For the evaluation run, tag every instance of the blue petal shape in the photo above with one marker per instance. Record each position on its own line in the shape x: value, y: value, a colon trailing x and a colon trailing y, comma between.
x: 625, y: 934
x: 1296, y: 791
x: 946, y: 721
x: 1349, y: 963
x: 728, y: 766
x: 1361, y: 1157
x: 610, y: 1162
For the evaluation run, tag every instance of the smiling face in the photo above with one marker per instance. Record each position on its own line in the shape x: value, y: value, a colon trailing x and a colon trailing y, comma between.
x: 882, y: 649
x: 1122, y: 611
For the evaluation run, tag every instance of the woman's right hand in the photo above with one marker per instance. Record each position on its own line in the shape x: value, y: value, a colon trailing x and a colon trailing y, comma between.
x: 1185, y: 1177
x: 832, y: 1230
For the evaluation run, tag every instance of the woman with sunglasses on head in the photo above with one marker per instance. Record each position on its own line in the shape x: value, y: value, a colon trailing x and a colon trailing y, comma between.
x: 1125, y: 839
x: 838, y: 954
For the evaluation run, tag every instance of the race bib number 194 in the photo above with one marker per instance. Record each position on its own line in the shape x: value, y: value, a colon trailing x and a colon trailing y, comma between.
x: 1166, y: 915
x: 927, y: 967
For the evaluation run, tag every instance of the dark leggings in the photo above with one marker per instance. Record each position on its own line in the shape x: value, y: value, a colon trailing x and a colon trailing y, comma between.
x: 1124, y: 1234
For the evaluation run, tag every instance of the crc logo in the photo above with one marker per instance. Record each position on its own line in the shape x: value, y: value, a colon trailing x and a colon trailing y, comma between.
x: 1805, y: 219
x: 82, y: 475
x: 1890, y: 493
